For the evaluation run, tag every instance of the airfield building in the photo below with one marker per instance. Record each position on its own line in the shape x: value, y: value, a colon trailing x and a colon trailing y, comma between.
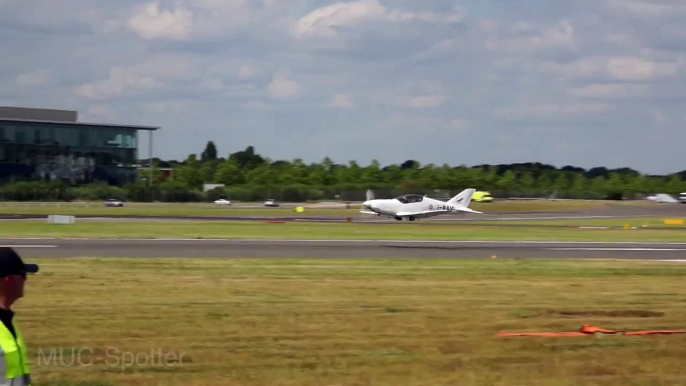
x: 45, y: 145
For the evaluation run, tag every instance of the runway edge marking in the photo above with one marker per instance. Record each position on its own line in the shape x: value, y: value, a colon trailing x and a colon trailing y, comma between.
x: 28, y: 246
x: 619, y: 249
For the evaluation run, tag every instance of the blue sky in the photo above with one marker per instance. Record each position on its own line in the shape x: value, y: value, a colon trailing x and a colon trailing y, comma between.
x: 586, y: 83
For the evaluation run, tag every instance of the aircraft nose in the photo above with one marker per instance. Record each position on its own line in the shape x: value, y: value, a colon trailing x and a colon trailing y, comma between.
x: 366, y: 204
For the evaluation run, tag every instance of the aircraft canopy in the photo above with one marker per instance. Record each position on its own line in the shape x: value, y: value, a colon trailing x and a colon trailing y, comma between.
x: 410, y: 198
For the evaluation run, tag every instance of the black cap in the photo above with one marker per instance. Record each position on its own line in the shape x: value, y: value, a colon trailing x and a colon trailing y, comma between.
x: 12, y: 264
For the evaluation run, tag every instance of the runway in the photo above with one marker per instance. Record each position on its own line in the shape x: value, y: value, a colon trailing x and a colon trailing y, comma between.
x: 610, y: 211
x: 269, y: 248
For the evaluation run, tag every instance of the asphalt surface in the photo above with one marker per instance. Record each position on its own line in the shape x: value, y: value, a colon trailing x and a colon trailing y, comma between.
x: 367, y: 248
x: 610, y: 211
x: 191, y: 248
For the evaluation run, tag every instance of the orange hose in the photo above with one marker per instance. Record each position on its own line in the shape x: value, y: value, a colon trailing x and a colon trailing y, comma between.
x: 588, y: 329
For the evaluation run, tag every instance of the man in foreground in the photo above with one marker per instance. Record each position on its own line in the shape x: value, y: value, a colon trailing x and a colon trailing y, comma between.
x: 14, y: 369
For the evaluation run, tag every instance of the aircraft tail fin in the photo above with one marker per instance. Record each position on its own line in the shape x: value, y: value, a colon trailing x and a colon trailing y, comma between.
x: 463, y: 199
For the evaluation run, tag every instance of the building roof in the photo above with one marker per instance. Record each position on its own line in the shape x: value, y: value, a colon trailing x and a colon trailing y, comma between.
x: 88, y: 124
x: 54, y: 117
x: 13, y: 112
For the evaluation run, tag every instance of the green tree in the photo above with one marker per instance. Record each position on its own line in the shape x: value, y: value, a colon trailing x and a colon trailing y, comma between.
x: 188, y: 173
x: 675, y: 185
x: 599, y: 185
x: 210, y: 152
x: 229, y: 173
x: 561, y: 184
x: 508, y: 181
x: 527, y: 183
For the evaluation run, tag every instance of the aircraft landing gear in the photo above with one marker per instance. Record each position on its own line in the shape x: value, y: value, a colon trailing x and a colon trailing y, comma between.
x: 411, y: 218
x: 399, y: 218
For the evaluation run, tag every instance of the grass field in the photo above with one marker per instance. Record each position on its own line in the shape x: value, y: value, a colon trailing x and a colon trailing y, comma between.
x: 204, y: 209
x: 265, y: 322
x: 652, y: 222
x: 253, y: 229
x: 303, y: 230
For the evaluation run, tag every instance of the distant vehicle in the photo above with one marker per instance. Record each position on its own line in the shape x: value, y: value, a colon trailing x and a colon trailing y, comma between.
x: 222, y: 201
x: 114, y: 202
x: 271, y: 202
x: 682, y: 197
x: 662, y: 197
x: 482, y: 197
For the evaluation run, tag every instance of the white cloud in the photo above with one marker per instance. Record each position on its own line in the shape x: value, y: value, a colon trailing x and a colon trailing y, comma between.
x: 34, y: 79
x: 426, y: 101
x: 636, y: 69
x: 207, y: 20
x: 121, y: 82
x: 422, y: 124
x: 341, y: 100
x: 150, y: 21
x: 282, y: 87
x: 246, y: 72
x: 98, y: 113
x: 460, y: 124
x: 524, y: 37
x: 610, y: 91
x: 403, y: 67
x: 325, y: 22
x: 660, y: 117
x: 254, y: 105
x: 408, y: 122
x: 213, y: 83
x: 174, y: 105
x: 322, y: 22
x: 555, y: 111
x: 647, y: 8
x: 229, y: 67
x: 618, y: 68
x: 419, y: 95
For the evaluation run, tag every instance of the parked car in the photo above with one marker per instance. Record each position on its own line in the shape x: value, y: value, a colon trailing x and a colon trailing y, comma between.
x: 113, y: 202
x: 222, y: 201
x: 271, y: 202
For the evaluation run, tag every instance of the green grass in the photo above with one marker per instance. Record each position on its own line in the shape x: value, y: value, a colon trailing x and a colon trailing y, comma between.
x: 651, y: 222
x: 208, y: 209
x: 163, y: 209
x: 288, y: 322
x: 299, y: 230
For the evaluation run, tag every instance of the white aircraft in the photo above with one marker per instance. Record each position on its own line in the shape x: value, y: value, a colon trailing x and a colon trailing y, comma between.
x: 414, y: 206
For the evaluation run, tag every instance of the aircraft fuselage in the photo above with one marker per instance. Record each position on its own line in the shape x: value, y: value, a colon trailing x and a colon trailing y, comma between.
x: 413, y: 206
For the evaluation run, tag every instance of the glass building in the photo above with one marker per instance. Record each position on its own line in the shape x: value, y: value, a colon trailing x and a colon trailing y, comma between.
x: 44, y: 145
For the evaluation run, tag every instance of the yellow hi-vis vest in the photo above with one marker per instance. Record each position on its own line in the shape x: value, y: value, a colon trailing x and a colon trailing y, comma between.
x: 14, y: 364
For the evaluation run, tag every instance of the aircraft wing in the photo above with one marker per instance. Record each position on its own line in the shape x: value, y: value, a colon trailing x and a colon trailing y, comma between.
x: 429, y: 213
x: 367, y: 212
x: 468, y: 210
x: 425, y: 213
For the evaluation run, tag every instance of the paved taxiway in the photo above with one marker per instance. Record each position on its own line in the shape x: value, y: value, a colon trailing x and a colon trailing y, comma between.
x: 609, y: 211
x: 236, y: 248
x: 233, y: 248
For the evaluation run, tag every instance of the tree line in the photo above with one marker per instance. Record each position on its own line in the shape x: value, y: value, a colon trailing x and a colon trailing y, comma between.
x: 249, y: 176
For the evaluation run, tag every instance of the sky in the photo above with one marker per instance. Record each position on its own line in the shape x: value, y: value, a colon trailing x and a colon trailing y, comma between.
x: 585, y: 83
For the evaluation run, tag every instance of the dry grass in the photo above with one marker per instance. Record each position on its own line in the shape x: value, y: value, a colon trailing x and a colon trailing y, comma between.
x: 354, y: 322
